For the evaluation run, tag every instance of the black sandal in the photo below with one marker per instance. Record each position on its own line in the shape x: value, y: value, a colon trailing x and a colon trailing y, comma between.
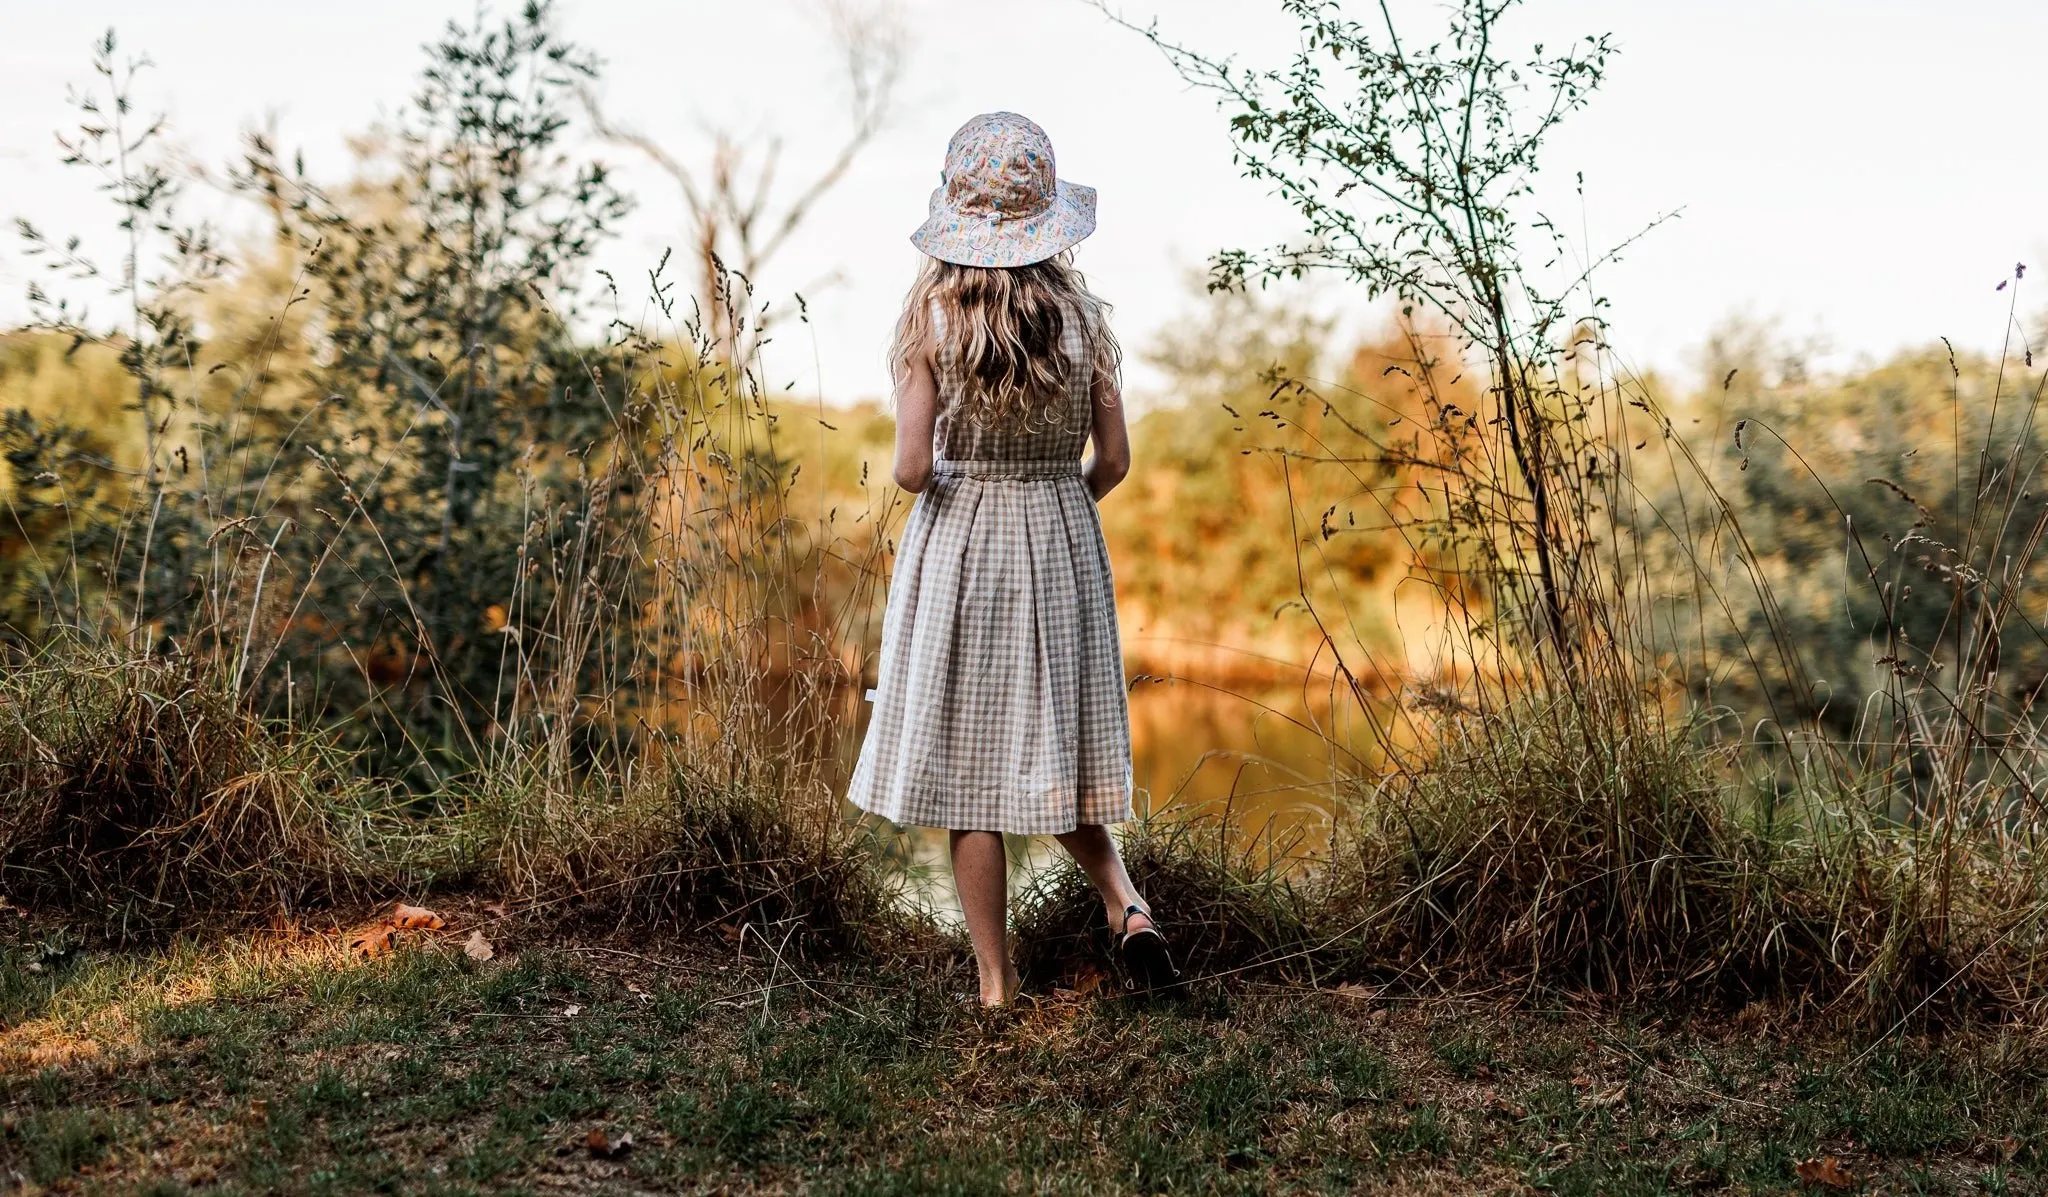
x: 1148, y: 965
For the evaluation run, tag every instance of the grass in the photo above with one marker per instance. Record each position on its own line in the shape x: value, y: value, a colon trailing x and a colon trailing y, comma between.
x: 145, y: 802
x: 271, y: 1065
x: 140, y: 793
x: 139, y: 799
x: 1626, y: 873
x: 668, y: 847
x: 1232, y: 903
x: 1536, y: 845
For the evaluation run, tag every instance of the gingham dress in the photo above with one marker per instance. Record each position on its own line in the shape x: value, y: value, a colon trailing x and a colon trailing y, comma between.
x: 999, y: 701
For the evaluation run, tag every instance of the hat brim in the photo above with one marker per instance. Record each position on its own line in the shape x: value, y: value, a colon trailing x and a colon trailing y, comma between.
x: 976, y: 240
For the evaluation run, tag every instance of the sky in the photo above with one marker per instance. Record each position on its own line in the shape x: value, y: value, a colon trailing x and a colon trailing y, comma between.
x: 1861, y: 173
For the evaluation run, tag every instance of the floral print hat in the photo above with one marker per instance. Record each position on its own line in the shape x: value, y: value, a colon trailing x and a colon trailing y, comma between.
x: 1000, y: 202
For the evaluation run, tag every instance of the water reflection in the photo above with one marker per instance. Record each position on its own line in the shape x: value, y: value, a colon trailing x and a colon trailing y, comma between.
x: 1264, y: 759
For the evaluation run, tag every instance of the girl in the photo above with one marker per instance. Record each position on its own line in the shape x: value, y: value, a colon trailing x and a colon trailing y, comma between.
x: 999, y: 705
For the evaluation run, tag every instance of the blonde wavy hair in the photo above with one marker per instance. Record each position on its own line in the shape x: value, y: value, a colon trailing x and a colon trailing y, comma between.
x: 1003, y: 329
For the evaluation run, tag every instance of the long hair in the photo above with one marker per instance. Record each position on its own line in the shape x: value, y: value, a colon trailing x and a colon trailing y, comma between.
x: 1003, y: 330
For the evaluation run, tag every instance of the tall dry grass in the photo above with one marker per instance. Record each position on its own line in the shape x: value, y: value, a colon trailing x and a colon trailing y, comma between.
x: 139, y: 795
x: 686, y: 772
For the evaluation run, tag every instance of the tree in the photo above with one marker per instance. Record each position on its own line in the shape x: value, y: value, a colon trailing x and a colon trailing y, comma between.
x: 451, y: 385
x: 1410, y: 165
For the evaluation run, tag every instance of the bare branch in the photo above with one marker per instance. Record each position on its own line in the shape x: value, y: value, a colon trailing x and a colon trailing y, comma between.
x: 732, y: 199
x: 619, y: 134
x: 874, y: 47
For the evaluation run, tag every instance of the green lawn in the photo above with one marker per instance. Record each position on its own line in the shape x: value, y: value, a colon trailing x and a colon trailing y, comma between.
x: 246, y: 1067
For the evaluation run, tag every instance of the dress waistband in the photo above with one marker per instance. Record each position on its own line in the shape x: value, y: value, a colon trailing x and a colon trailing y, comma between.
x: 1031, y: 471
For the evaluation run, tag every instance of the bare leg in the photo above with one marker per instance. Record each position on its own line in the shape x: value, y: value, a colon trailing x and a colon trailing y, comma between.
x: 1095, y: 852
x: 981, y: 878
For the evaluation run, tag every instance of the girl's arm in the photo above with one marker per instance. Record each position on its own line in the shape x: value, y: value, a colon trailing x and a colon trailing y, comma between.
x: 917, y: 411
x: 1112, y: 457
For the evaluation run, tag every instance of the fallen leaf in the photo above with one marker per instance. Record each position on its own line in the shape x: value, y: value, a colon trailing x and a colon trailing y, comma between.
x: 571, y: 1011
x: 478, y: 948
x: 606, y: 1147
x: 1353, y: 989
x: 259, y: 1110
x: 414, y: 918
x: 370, y: 942
x: 1500, y: 1105
x: 736, y: 932
x: 1612, y: 1097
x: 1825, y: 1170
x: 495, y: 909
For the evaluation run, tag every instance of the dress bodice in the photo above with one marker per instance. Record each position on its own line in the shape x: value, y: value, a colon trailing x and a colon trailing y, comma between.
x: 959, y: 436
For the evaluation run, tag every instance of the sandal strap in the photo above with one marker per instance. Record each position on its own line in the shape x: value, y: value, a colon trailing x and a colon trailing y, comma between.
x: 1126, y: 933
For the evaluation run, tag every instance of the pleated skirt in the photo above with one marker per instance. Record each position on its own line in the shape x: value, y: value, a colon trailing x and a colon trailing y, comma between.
x: 999, y: 701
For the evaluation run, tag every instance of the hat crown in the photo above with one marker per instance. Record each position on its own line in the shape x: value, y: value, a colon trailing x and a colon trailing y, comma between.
x: 1000, y: 165
x: 1000, y: 201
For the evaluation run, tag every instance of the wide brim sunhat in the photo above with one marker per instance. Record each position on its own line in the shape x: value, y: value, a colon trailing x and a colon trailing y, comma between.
x: 1001, y: 201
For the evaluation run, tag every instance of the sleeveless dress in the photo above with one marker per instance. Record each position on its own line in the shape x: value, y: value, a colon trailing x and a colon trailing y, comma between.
x: 999, y: 700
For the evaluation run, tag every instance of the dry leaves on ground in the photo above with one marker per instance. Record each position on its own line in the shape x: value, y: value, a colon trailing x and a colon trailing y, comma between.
x: 414, y: 918
x: 477, y: 948
x: 378, y: 938
x: 605, y: 1147
x: 1825, y: 1170
x: 370, y: 942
